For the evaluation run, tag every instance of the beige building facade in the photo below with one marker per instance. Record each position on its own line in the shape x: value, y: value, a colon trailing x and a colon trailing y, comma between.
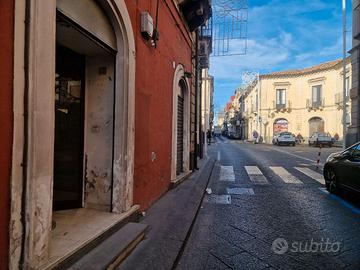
x: 299, y: 101
x: 207, y: 91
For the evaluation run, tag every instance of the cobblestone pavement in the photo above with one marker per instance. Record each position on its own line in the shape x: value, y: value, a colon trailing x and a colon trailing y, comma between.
x: 268, y: 209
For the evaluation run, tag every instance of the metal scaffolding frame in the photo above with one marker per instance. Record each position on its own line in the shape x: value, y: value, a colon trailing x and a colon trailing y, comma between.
x: 228, y: 27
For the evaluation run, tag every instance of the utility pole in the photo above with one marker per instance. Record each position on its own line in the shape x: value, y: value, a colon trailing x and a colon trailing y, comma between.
x: 344, y: 71
x: 259, y: 106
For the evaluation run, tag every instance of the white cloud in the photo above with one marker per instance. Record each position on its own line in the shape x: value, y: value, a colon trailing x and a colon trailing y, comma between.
x: 303, y: 57
x: 261, y: 55
x: 282, y: 35
x: 336, y: 48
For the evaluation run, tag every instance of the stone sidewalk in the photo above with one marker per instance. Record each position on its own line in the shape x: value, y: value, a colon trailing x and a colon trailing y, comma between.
x: 170, y: 220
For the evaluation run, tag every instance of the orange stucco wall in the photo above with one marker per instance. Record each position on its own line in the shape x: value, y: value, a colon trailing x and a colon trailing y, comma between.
x: 6, y: 91
x: 153, y: 101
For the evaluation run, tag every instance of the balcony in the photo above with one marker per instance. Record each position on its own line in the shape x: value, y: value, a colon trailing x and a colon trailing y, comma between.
x: 314, y: 105
x: 339, y: 100
x: 196, y: 13
x: 282, y: 107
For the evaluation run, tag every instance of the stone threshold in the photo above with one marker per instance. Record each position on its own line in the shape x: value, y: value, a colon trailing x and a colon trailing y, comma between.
x: 79, y: 230
x: 179, y: 179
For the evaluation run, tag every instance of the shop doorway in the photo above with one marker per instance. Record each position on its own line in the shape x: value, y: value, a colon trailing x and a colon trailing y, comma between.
x: 180, y: 131
x: 103, y: 37
x: 84, y: 118
x: 180, y: 162
x: 69, y: 129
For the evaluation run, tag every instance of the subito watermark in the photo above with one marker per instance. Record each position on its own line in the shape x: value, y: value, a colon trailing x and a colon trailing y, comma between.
x: 324, y: 245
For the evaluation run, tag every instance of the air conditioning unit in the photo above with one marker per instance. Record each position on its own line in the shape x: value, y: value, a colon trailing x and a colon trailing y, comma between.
x: 147, y: 25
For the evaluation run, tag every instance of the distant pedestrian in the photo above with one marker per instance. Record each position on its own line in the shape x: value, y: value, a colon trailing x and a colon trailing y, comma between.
x: 255, y: 136
x: 299, y: 138
x: 208, y: 136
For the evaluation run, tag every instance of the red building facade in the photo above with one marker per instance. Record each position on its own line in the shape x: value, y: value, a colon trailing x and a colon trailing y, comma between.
x: 155, y: 69
x: 6, y: 120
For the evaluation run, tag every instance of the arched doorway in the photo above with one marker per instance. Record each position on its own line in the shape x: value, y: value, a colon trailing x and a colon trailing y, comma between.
x: 84, y: 108
x: 280, y: 125
x: 180, y: 128
x: 181, y: 125
x: 316, y: 124
x: 92, y: 63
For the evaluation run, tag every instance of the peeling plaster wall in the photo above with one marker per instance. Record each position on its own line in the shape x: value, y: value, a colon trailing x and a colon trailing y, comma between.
x: 99, y: 96
x: 15, y: 229
x: 41, y: 132
x: 39, y: 182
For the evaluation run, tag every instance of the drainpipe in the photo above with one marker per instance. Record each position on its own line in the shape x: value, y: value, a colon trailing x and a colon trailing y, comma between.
x: 24, y: 164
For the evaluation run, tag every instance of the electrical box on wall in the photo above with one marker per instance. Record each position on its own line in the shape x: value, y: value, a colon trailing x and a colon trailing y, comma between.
x: 147, y: 25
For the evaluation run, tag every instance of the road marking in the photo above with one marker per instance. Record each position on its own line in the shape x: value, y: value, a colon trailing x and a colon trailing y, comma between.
x: 294, y: 155
x: 312, y: 174
x: 218, y: 156
x: 256, y: 175
x: 341, y: 201
x: 285, y: 175
x: 240, y: 191
x: 218, y: 199
x: 304, y: 164
x: 227, y: 173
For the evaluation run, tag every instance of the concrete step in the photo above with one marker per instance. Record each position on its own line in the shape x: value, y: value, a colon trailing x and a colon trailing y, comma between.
x: 113, y: 250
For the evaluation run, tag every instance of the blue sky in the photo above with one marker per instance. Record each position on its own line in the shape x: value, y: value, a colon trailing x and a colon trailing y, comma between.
x: 282, y: 35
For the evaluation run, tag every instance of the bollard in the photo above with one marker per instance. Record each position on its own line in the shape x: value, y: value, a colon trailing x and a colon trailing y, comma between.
x: 318, y: 160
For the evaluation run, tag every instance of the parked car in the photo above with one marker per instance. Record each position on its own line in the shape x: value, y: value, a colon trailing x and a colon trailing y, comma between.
x: 233, y: 134
x: 224, y: 133
x: 320, y: 138
x: 342, y: 170
x: 217, y: 132
x: 284, y: 138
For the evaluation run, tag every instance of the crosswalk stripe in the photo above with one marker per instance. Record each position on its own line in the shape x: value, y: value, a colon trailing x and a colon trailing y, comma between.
x: 227, y: 173
x: 256, y: 175
x: 285, y: 175
x: 312, y: 174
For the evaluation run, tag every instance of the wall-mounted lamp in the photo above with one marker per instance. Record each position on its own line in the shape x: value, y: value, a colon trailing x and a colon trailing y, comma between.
x: 147, y: 25
x: 148, y: 31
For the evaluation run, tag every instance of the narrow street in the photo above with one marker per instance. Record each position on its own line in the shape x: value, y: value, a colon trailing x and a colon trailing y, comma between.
x: 106, y: 108
x: 268, y: 209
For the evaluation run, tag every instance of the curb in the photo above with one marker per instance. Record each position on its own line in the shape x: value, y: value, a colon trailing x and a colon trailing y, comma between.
x: 170, y: 221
